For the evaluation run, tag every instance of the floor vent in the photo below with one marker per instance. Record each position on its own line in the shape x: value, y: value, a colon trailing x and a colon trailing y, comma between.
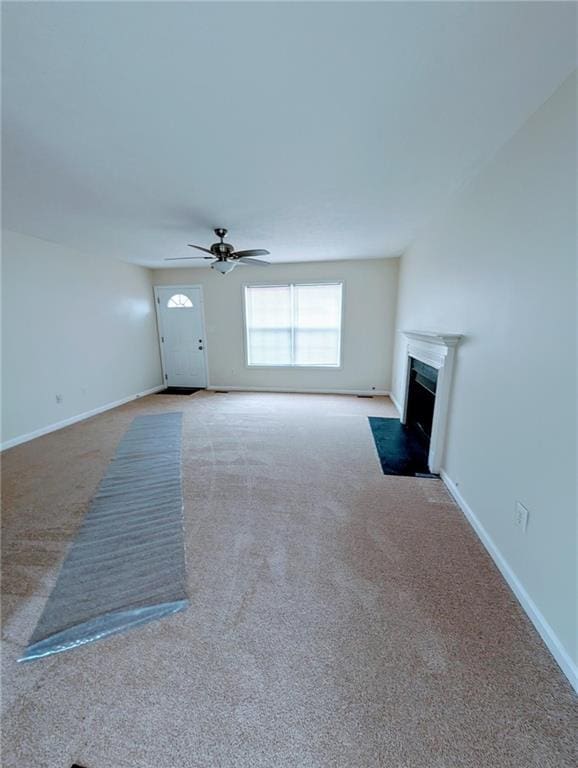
x: 368, y: 396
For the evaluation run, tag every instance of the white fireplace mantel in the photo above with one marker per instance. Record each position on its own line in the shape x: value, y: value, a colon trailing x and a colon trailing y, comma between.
x: 437, y: 350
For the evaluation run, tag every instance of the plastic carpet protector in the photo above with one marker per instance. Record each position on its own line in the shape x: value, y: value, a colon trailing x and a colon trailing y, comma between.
x: 127, y: 564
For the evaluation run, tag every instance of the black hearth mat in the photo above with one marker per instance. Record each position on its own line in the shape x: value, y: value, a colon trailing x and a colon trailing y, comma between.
x: 399, y: 448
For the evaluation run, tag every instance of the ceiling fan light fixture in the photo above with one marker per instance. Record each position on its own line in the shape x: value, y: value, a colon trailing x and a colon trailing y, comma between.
x: 223, y: 266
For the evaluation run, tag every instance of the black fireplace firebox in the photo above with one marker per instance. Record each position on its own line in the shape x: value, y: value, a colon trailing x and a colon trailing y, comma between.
x: 421, y: 399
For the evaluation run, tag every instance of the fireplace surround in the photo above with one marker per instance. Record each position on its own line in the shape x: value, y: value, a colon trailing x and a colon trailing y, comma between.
x: 435, y: 351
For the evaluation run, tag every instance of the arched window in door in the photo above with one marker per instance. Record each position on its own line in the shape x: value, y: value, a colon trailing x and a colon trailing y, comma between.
x: 179, y: 301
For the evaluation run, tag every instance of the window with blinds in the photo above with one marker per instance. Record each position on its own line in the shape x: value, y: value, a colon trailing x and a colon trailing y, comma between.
x: 293, y: 324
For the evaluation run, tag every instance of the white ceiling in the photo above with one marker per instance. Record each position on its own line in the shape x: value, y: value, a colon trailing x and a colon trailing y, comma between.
x: 317, y: 130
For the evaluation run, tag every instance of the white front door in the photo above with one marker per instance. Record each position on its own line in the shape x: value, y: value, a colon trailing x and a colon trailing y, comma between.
x: 182, y: 335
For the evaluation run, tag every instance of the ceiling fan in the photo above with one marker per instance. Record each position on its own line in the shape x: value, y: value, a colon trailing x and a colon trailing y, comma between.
x: 226, y: 257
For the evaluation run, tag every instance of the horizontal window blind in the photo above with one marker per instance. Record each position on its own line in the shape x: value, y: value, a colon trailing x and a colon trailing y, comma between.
x: 293, y: 324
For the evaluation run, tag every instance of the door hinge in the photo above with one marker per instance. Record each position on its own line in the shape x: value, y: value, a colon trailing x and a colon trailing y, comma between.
x: 166, y: 377
x: 158, y: 300
x: 163, y: 339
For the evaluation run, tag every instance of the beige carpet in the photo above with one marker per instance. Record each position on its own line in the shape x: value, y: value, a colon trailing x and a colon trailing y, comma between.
x: 338, y: 617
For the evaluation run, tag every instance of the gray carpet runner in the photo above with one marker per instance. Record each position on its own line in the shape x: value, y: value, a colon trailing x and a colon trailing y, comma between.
x: 127, y: 564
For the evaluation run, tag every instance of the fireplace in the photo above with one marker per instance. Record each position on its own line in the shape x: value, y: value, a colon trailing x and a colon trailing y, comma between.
x: 426, y: 391
x: 421, y: 397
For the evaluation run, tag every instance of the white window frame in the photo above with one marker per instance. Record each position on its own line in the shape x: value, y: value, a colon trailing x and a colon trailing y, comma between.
x: 291, y: 285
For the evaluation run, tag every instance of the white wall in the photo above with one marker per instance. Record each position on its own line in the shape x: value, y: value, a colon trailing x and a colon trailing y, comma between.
x: 500, y: 267
x: 72, y: 325
x: 370, y: 294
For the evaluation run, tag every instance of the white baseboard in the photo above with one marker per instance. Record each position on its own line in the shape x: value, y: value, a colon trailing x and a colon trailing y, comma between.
x: 394, y: 401
x: 73, y: 419
x: 566, y: 663
x: 301, y: 391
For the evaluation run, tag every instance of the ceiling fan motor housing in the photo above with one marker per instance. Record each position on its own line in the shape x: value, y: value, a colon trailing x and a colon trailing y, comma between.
x: 222, y: 249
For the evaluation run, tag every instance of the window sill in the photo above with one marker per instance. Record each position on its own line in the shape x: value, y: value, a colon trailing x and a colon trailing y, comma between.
x: 294, y: 367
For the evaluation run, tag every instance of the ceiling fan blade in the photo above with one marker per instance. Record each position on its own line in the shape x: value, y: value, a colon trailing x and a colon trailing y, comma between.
x: 254, y: 262
x: 200, y: 248
x: 253, y: 252
x: 187, y: 258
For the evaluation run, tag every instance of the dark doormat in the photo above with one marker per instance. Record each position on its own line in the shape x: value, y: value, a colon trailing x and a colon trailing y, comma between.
x: 179, y: 391
x: 400, y: 449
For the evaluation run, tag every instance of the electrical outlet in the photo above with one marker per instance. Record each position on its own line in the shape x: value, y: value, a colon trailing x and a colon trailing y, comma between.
x: 58, y: 399
x: 521, y: 517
